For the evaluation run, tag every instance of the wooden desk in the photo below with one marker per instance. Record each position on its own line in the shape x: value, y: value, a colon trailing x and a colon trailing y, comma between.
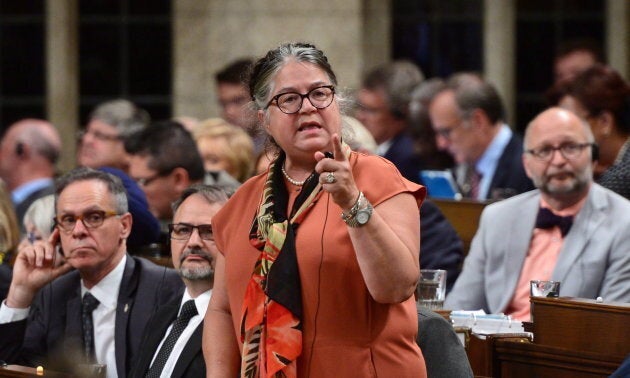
x: 464, y: 216
x: 18, y: 371
x: 577, y: 338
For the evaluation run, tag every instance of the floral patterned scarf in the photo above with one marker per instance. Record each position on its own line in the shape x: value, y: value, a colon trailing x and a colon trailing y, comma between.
x: 271, y: 323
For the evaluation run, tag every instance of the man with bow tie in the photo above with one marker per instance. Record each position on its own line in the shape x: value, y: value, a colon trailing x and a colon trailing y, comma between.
x: 569, y: 229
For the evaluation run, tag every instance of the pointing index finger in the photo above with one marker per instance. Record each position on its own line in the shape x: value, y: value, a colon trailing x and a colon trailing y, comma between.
x: 337, y: 149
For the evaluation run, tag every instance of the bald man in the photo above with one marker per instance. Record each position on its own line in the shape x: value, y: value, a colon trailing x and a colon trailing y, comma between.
x: 569, y: 229
x: 29, y: 151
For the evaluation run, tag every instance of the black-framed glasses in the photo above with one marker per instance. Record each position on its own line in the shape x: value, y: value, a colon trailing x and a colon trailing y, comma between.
x: 90, y: 219
x: 183, y: 231
x: 569, y: 151
x: 291, y: 102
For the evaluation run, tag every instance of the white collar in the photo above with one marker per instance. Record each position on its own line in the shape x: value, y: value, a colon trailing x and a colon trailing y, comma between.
x: 107, y: 289
x: 382, y: 148
x: 201, y: 302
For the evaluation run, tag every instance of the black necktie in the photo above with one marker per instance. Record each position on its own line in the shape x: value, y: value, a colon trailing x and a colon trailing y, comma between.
x: 88, y: 304
x: 547, y: 219
x: 188, y: 311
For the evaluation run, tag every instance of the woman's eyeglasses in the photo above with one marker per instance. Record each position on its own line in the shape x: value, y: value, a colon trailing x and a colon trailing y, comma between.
x: 291, y: 102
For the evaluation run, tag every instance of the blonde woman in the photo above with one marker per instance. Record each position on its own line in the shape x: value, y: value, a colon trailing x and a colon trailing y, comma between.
x: 225, y: 147
x: 9, y: 238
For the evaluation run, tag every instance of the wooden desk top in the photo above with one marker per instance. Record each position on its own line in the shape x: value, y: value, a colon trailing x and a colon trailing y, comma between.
x: 19, y: 371
x: 582, y: 325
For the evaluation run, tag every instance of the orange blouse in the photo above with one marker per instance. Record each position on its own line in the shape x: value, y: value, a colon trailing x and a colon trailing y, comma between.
x: 346, y: 332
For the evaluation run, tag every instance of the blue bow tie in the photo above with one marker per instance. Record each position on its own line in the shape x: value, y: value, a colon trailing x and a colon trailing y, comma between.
x: 547, y: 219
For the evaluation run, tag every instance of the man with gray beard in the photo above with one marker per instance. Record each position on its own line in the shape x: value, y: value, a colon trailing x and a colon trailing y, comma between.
x: 570, y: 229
x: 171, y: 346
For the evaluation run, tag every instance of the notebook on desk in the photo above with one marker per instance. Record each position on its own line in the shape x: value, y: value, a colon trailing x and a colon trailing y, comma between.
x: 440, y: 184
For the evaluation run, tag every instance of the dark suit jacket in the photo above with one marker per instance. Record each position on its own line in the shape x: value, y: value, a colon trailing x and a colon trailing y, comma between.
x: 53, y: 329
x: 510, y: 178
x: 5, y: 279
x: 190, y: 362
x: 440, y: 247
x: 20, y: 208
x: 402, y: 154
x: 444, y: 354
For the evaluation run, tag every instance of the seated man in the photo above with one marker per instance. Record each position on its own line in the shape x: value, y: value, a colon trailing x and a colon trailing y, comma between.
x: 570, y: 230
x: 194, y: 256
x: 97, y: 312
x: 467, y: 116
x: 384, y: 110
x: 164, y: 161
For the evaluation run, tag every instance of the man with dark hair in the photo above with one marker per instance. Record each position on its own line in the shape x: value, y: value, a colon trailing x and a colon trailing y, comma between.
x: 60, y: 317
x: 234, y: 98
x: 468, y: 119
x: 194, y: 254
x: 101, y: 144
x: 384, y: 110
x: 29, y: 151
x: 164, y: 161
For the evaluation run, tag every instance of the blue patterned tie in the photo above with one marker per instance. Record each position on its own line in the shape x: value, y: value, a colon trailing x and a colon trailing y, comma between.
x: 89, y: 303
x: 188, y: 311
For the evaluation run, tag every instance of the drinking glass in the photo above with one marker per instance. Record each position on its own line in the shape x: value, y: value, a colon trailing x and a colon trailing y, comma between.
x: 431, y: 289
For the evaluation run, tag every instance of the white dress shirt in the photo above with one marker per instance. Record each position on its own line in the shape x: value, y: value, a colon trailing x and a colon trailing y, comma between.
x: 382, y: 148
x: 104, y: 316
x: 201, y: 302
x: 487, y: 164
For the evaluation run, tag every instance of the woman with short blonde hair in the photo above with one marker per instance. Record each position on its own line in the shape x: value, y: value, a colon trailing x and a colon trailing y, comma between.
x: 224, y: 146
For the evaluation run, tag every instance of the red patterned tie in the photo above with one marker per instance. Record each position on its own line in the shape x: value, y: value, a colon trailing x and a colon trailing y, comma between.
x: 475, y: 180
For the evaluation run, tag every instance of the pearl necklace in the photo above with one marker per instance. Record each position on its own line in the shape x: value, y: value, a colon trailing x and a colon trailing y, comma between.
x: 289, y: 179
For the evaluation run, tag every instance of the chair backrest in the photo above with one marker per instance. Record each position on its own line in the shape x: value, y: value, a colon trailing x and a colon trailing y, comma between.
x: 443, y: 352
x: 464, y: 216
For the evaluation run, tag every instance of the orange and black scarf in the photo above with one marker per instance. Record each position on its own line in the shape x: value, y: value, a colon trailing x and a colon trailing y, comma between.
x: 271, y: 324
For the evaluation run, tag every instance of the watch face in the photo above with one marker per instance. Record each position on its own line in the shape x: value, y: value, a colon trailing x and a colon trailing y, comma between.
x: 363, y: 216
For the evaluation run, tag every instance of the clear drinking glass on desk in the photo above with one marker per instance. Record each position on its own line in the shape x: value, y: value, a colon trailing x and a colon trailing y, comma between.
x: 542, y: 288
x: 431, y: 289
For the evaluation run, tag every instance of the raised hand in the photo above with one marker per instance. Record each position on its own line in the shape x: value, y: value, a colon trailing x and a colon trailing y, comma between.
x: 336, y: 176
x: 36, y: 265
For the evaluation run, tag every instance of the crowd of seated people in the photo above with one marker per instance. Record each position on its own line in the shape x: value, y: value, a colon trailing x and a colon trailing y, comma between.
x: 153, y: 186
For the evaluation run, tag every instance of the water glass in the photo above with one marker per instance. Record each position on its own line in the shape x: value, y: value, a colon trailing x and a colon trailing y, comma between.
x: 541, y: 288
x: 431, y: 289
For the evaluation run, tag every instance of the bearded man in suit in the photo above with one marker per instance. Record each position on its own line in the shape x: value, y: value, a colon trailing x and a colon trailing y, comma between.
x: 570, y: 229
x: 165, y: 351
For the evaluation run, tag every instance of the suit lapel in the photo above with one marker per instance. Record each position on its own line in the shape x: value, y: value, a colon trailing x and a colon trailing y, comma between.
x: 191, y: 350
x: 124, y: 305
x: 518, y: 242
x: 154, y: 333
x: 74, y: 326
x: 586, y: 223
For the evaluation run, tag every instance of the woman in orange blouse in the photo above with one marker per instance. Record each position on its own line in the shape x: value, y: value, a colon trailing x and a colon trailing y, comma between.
x: 319, y: 254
